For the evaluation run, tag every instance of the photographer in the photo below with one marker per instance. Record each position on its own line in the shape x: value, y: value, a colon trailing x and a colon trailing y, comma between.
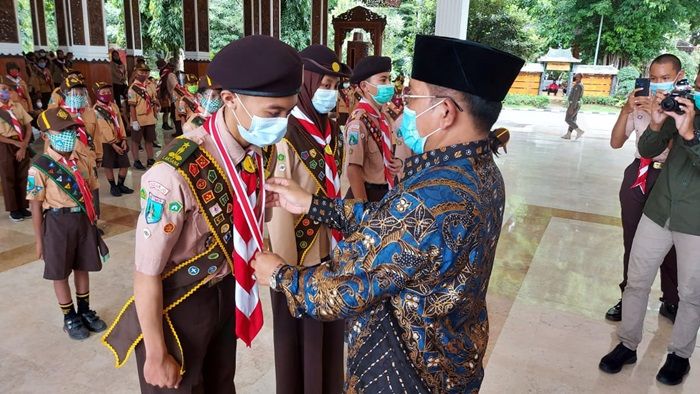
x: 671, y: 218
x: 640, y: 177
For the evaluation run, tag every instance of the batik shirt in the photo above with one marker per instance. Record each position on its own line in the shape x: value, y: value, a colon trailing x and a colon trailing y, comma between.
x: 411, y: 274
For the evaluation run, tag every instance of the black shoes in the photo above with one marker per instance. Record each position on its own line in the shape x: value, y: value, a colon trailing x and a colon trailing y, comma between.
x: 167, y: 126
x: 92, y: 321
x: 617, y: 358
x: 114, y: 190
x: 156, y: 145
x: 26, y: 213
x: 125, y: 190
x: 138, y: 165
x: 16, y: 216
x: 668, y: 311
x: 150, y: 162
x: 75, y: 328
x: 614, y: 313
x: 674, y: 370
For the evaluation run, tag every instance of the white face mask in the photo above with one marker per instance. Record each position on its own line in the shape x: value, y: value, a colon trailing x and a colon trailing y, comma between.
x: 262, y: 131
x: 325, y: 100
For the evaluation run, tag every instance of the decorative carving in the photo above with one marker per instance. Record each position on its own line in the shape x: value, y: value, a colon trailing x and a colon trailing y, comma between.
x: 61, y: 24
x: 8, y: 21
x: 362, y: 18
x: 359, y: 14
x: 77, y: 22
x: 203, y: 24
x: 189, y: 25
x: 95, y: 15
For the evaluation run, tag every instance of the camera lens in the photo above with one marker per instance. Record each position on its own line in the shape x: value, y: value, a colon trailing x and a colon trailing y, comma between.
x: 669, y: 104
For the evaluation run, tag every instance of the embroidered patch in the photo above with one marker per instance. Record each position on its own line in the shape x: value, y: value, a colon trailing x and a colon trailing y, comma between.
x: 193, y: 270
x: 193, y: 169
x: 304, y: 155
x: 218, y: 219
x: 154, y: 209
x: 353, y: 138
x: 249, y: 165
x: 313, y: 154
x: 282, y: 167
x: 155, y: 186
x: 146, y: 233
x: 225, y: 228
x: 208, y: 196
x: 215, y: 209
x: 211, y: 176
x: 201, y: 184
x: 169, y: 228
x: 213, y: 256
x: 143, y: 193
x: 280, y: 157
x: 219, y: 188
x: 229, y: 208
x: 31, y: 183
x: 211, y: 270
x: 175, y: 206
x: 202, y: 161
x: 223, y: 199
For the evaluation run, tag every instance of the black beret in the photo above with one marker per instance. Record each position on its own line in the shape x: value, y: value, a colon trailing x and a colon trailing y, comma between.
x: 322, y: 60
x: 465, y: 65
x: 371, y: 65
x: 258, y: 66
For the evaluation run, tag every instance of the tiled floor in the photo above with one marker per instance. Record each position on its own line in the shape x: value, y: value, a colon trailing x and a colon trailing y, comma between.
x: 556, y: 273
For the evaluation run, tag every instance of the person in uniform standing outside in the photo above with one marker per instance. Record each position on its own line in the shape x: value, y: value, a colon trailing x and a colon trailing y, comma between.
x: 309, y: 353
x: 574, y: 106
x: 372, y: 166
x: 119, y: 79
x: 41, y: 81
x: 143, y: 107
x: 64, y: 218
x: 186, y: 103
x: 640, y: 177
x: 15, y: 134
x: 209, y: 101
x: 19, y: 90
x: 207, y: 184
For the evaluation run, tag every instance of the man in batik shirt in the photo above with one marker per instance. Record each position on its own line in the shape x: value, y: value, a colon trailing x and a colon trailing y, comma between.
x: 413, y: 270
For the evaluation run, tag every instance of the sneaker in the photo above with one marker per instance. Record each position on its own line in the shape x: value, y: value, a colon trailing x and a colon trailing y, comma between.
x: 167, y: 126
x: 156, y: 145
x: 138, y: 165
x: 566, y: 136
x: 26, y: 213
x: 674, y: 370
x: 150, y: 162
x: 140, y: 148
x: 75, y: 328
x: 114, y: 190
x: 617, y: 358
x: 668, y: 311
x: 16, y: 216
x: 614, y: 313
x: 125, y: 190
x: 92, y: 321
x: 579, y: 133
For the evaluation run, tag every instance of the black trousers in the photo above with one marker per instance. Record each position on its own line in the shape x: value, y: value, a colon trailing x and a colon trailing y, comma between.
x: 176, y: 121
x: 632, y: 202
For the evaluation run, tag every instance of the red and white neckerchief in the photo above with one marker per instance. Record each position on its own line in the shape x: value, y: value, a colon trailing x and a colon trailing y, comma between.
x: 72, y: 165
x: 82, y: 133
x: 642, y: 174
x: 15, y: 122
x: 18, y: 86
x: 143, y: 86
x: 387, y: 153
x: 114, y: 116
x: 184, y: 94
x: 331, y: 172
x: 248, y: 217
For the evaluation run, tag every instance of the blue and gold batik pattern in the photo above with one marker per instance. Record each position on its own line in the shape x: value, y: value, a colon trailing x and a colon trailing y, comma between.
x: 411, y: 274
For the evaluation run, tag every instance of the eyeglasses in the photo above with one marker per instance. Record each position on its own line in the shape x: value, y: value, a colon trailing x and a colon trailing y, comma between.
x: 407, y: 97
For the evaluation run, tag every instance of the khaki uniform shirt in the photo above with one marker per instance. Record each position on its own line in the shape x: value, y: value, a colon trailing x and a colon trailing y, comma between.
x: 56, y: 99
x: 170, y: 84
x: 26, y: 102
x: 38, y: 81
x: 362, y: 149
x: 105, y: 127
x: 156, y: 249
x: 145, y: 115
x: 41, y: 188
x: 638, y: 121
x: 58, y: 71
x: 118, y: 73
x: 7, y: 130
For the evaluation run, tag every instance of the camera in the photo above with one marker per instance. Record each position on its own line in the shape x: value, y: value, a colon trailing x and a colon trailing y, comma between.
x: 681, y: 89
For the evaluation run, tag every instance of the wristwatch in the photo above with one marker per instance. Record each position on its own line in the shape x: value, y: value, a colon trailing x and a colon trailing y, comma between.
x: 273, y: 278
x: 695, y: 140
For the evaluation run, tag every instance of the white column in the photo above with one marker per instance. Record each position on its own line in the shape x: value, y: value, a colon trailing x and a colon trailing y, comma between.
x: 451, y: 18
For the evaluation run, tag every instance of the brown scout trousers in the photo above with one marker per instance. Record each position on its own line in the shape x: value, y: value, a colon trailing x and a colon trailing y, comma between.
x: 13, y: 175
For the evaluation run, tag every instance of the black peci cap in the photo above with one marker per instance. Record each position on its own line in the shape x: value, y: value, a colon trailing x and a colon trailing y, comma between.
x: 258, y: 66
x: 371, y: 65
x: 322, y: 60
x: 465, y: 65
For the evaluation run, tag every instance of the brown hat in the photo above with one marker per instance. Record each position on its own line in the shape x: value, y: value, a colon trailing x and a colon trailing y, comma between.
x: 56, y: 119
x: 191, y: 79
x: 371, y: 65
x: 72, y: 81
x: 207, y: 83
x: 141, y: 67
x: 75, y: 72
x: 258, y: 66
x: 320, y: 59
x: 101, y: 85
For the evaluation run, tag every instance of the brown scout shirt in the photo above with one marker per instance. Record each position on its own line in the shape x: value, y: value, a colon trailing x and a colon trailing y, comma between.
x: 145, y: 115
x: 156, y: 249
x: 38, y: 81
x: 14, y: 95
x: 7, y: 130
x: 56, y: 99
x: 118, y: 74
x: 41, y: 188
x: 362, y: 149
x: 105, y: 127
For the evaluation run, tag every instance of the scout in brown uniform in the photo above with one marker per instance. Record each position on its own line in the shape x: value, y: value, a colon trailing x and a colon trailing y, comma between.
x: 186, y: 302
x: 59, y: 70
x: 110, y: 128
x: 369, y: 138
x: 19, y: 90
x: 209, y: 100
x: 186, y: 103
x: 58, y: 96
x: 15, y: 134
x: 41, y: 81
x: 59, y: 188
x: 309, y: 353
x: 143, y: 107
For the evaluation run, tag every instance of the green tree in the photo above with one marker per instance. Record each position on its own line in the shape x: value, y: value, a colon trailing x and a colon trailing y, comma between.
x: 161, y: 26
x: 296, y: 23
x: 225, y: 23
x: 114, y: 19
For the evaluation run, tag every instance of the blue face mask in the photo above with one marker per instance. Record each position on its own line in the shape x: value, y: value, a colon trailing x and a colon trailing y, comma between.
x: 63, y: 142
x: 211, y: 105
x: 384, y: 93
x: 696, y: 98
x: 4, y: 95
x: 409, y: 130
x: 664, y: 86
x: 325, y: 100
x: 262, y: 131
x: 75, y: 101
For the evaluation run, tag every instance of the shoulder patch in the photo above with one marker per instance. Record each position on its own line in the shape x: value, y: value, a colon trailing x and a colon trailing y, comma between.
x: 180, y: 149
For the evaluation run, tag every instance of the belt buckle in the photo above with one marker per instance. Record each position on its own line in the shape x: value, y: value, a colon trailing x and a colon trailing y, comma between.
x: 658, y: 165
